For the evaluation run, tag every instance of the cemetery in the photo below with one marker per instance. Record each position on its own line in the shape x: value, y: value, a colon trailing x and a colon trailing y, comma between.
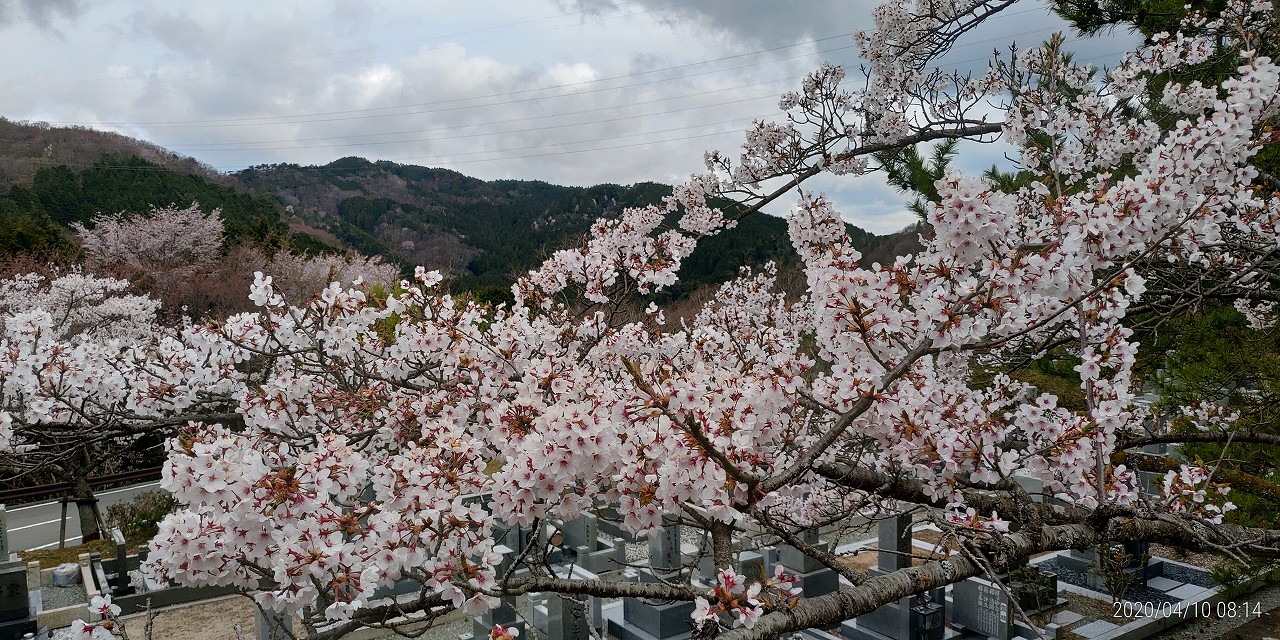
x: 40, y: 600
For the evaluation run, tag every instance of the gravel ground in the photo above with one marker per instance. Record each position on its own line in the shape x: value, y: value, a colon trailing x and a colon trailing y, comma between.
x: 59, y: 597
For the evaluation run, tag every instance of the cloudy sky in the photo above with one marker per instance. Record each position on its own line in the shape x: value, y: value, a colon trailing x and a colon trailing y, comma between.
x: 568, y: 91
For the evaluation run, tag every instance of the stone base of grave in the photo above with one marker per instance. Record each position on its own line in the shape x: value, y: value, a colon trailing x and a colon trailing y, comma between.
x: 607, y: 557
x: 15, y: 629
x: 665, y: 620
x: 818, y: 583
x: 1051, y: 631
x: 619, y: 627
x: 906, y: 618
x: 481, y: 625
x: 1085, y: 564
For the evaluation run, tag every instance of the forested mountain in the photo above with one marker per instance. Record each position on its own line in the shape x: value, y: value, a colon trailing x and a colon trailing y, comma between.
x: 27, y: 147
x: 485, y: 233
x: 35, y: 216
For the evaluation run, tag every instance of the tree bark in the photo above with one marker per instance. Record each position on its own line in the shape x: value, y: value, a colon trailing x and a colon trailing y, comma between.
x: 82, y: 493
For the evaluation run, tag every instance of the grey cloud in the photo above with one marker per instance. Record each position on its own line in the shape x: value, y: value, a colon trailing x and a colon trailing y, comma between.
x: 43, y: 14
x: 759, y: 22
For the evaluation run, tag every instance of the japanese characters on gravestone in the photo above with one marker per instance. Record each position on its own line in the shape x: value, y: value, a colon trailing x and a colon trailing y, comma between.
x: 982, y: 606
x: 15, y: 604
x: 567, y: 615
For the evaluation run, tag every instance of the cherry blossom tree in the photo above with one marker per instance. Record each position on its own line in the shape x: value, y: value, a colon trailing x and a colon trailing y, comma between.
x: 368, y: 422
x: 85, y: 369
x: 301, y: 276
x: 167, y: 241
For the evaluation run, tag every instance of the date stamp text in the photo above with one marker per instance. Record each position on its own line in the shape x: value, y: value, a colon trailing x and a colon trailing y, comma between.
x: 1127, y: 609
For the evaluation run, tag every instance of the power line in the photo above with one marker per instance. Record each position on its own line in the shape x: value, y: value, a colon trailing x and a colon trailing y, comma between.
x: 238, y: 146
x: 278, y: 120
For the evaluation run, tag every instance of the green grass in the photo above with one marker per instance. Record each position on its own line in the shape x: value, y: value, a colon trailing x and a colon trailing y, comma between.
x: 54, y: 557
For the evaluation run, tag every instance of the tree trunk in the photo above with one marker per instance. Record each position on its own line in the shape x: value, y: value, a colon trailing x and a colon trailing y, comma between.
x: 86, y: 503
x: 82, y: 493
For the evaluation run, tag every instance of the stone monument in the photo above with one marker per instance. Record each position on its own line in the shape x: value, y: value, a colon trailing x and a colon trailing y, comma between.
x: 654, y: 619
x: 505, y: 613
x: 16, y: 618
x: 583, y: 546
x: 916, y: 617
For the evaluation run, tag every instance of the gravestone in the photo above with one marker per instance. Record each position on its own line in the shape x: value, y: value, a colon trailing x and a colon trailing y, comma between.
x: 654, y: 619
x: 562, y: 616
x: 982, y: 606
x: 583, y: 545
x: 815, y: 578
x: 664, y: 549
x: 16, y: 619
x: 15, y: 604
x: 567, y: 616
x: 505, y: 613
x: 35, y: 592
x: 894, y: 548
x: 4, y: 535
x: 515, y: 537
x: 119, y: 576
x: 916, y: 617
x: 273, y: 625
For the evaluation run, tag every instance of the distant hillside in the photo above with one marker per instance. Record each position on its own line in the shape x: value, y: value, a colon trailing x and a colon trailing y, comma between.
x: 27, y: 147
x: 486, y: 233
x: 35, y: 216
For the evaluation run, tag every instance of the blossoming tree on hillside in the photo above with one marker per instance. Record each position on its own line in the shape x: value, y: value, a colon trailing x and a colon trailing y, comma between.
x: 85, y: 369
x: 370, y: 421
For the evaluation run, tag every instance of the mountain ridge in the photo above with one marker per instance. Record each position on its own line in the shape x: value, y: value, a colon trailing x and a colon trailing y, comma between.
x: 482, y: 233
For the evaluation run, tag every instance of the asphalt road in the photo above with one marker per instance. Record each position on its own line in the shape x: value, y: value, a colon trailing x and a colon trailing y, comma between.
x: 35, y: 526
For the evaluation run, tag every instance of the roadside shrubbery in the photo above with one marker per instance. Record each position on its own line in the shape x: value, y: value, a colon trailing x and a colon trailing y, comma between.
x: 137, y: 518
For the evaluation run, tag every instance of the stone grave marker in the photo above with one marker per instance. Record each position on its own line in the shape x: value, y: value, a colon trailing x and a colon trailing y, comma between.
x: 567, y: 616
x: 917, y: 617
x: 656, y: 620
x: 664, y: 549
x: 35, y: 593
x: 272, y: 625
x: 582, y: 540
x: 119, y: 578
x: 15, y: 603
x: 816, y: 579
x: 982, y: 606
x: 562, y: 617
x: 505, y: 613
x: 894, y: 543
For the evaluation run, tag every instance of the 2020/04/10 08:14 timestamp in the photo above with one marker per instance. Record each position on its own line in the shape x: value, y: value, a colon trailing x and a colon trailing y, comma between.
x: 1206, y: 609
